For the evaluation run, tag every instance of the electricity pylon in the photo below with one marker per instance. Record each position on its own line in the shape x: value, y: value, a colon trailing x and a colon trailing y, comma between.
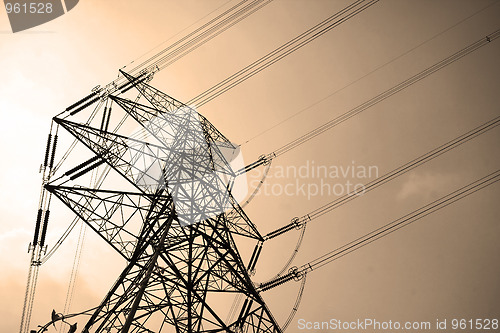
x: 174, y: 224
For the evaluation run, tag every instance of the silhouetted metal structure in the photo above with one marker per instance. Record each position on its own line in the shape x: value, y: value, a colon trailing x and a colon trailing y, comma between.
x: 176, y: 238
x: 171, y: 210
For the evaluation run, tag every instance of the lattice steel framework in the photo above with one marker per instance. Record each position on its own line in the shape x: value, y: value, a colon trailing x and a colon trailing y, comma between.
x: 175, y: 226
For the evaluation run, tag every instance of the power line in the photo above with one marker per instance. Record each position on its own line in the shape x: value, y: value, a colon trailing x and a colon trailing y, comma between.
x: 191, y: 25
x: 371, y: 72
x: 210, y: 34
x: 301, y: 222
x: 202, y: 34
x: 175, y: 51
x: 282, y: 51
x: 489, y: 125
x: 388, y: 93
x: 299, y: 273
x: 432, y: 154
x: 403, y: 221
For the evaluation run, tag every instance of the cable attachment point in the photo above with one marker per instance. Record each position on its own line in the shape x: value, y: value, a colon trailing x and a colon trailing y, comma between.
x: 105, y: 94
x: 297, y: 222
x: 151, y: 72
x: 296, y: 273
x: 266, y: 159
x: 262, y: 160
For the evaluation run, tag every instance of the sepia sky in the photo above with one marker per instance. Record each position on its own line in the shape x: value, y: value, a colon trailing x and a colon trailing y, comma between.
x: 442, y: 266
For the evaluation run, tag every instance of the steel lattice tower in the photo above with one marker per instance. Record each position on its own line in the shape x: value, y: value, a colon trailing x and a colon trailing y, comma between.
x: 175, y: 228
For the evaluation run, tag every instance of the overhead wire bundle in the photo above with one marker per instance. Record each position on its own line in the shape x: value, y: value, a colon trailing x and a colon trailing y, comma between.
x: 282, y: 51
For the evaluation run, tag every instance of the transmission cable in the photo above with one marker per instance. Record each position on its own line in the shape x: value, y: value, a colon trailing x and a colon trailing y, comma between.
x: 175, y: 51
x: 403, y: 221
x: 143, y: 64
x: 75, y: 268
x: 195, y: 39
x: 386, y: 94
x: 371, y: 72
x: 296, y: 305
x: 210, y: 34
x: 301, y: 222
x: 422, y: 159
x: 298, y: 273
x: 429, y: 156
x: 282, y: 51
